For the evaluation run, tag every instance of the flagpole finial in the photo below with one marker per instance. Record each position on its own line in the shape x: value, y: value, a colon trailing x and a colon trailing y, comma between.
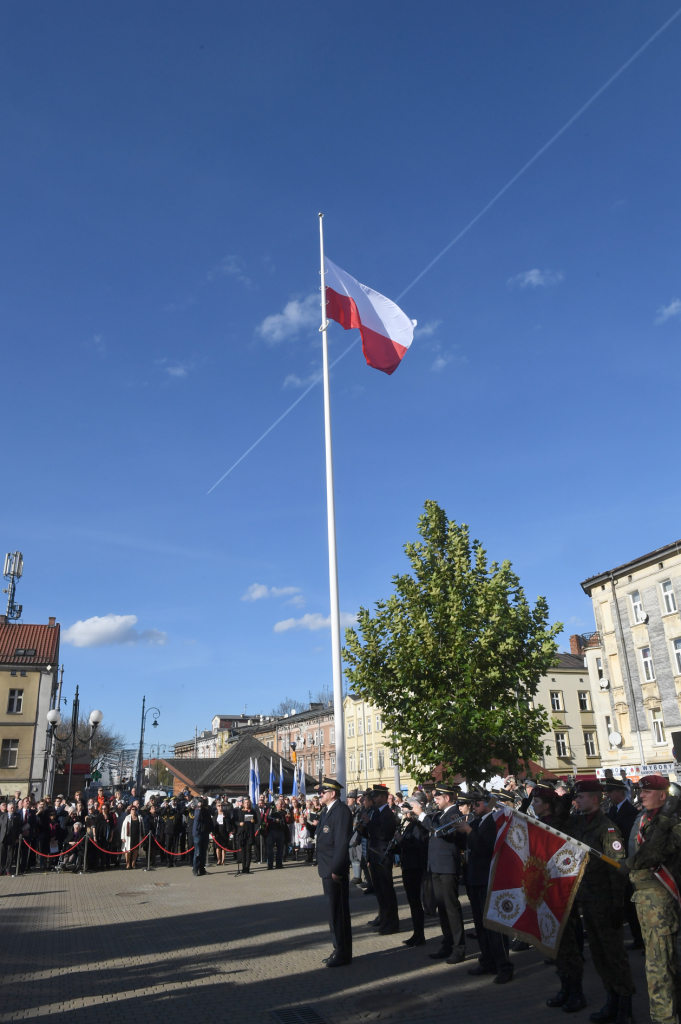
x: 320, y: 215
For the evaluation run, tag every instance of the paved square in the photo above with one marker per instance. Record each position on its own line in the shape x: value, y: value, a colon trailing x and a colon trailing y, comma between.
x: 167, y: 947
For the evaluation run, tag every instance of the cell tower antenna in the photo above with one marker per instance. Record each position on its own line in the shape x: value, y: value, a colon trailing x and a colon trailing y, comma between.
x: 14, y: 567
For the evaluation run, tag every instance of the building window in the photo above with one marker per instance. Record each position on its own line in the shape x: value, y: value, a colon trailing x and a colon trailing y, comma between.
x: 381, y: 758
x: 370, y: 756
x: 648, y: 667
x: 637, y: 606
x: 556, y: 700
x: 599, y: 667
x: 590, y: 744
x: 668, y: 596
x: 562, y: 749
x: 318, y: 767
x: 309, y: 738
x: 393, y: 758
x: 10, y: 753
x: 677, y: 655
x: 361, y: 760
x: 332, y: 765
x: 584, y: 702
x: 332, y: 735
x: 360, y: 726
x: 368, y: 723
x: 379, y: 723
x: 15, y: 703
x: 351, y: 762
x: 351, y: 727
x: 658, y: 726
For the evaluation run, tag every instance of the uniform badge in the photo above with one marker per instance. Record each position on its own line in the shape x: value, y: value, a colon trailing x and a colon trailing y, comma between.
x: 617, y: 845
x: 326, y: 829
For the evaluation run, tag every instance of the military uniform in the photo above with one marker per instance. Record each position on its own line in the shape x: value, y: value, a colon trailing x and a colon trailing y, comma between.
x: 333, y: 858
x: 655, y: 841
x: 444, y: 864
x: 380, y: 829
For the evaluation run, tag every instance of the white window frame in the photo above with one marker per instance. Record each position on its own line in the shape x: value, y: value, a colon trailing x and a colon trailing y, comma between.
x: 15, y: 702
x: 368, y: 723
x: 381, y: 759
x: 379, y: 723
x: 677, y: 656
x: 9, y: 748
x: 351, y: 727
x: 370, y: 760
x: 361, y: 760
x: 392, y: 760
x: 637, y: 606
x: 668, y: 597
x: 556, y: 697
x: 599, y: 667
x: 657, y: 724
x: 332, y: 735
x: 351, y: 761
x: 360, y: 726
x: 648, y: 665
x: 562, y: 744
x: 332, y: 765
x: 590, y: 744
x: 587, y: 700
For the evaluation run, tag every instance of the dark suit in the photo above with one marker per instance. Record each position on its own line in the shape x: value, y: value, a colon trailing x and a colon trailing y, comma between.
x: 480, y: 846
x: 444, y: 864
x: 333, y: 858
x: 380, y: 828
x: 413, y: 860
x: 624, y: 817
x: 201, y: 830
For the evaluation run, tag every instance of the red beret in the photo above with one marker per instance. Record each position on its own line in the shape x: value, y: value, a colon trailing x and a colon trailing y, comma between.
x: 588, y: 786
x: 544, y: 793
x: 654, y: 782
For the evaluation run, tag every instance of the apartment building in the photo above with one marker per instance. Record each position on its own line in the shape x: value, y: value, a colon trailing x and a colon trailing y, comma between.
x: 572, y: 740
x: 369, y: 755
x: 634, y: 659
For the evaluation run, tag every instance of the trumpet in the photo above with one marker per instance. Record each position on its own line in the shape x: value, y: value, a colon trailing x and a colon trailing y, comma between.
x: 449, y: 827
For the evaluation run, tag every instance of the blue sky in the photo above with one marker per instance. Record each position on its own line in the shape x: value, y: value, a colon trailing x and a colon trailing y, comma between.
x: 161, y: 172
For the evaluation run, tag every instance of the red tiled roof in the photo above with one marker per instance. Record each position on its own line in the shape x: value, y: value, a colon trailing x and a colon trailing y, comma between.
x: 44, y: 640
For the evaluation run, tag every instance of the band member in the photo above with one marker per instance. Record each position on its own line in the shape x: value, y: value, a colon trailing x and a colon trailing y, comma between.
x: 601, y: 899
x: 413, y: 847
x: 481, y: 836
x: 333, y: 863
x: 624, y: 814
x: 380, y: 829
x: 246, y: 821
x: 654, y: 845
x: 444, y: 864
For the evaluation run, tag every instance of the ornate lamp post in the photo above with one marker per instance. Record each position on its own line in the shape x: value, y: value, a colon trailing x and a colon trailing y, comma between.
x: 54, y: 720
x: 140, y: 762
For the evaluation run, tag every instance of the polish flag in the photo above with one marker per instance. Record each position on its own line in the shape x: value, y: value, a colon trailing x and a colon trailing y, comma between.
x: 386, y: 331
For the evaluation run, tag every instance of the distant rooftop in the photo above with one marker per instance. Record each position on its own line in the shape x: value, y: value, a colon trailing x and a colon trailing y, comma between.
x: 658, y: 555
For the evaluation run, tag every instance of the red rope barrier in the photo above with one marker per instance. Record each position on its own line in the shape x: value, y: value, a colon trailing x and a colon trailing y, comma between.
x: 180, y: 854
x: 226, y: 848
x: 67, y: 850
x: 116, y: 853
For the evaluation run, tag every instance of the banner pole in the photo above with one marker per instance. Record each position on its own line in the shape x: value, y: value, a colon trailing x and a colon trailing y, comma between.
x: 331, y: 527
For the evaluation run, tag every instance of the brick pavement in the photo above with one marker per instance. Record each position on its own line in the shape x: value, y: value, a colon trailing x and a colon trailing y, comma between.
x: 165, y: 947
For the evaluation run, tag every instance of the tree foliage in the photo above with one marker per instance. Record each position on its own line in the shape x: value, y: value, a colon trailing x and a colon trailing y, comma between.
x: 453, y: 658
x: 103, y: 742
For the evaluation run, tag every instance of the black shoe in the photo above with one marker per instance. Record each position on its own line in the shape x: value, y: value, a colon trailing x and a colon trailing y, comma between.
x: 575, y: 999
x: 636, y: 944
x: 471, y: 935
x: 480, y: 970
x: 561, y: 998
x: 441, y: 954
x: 415, y: 940
x: 518, y: 946
x: 456, y: 957
x: 376, y: 923
x: 389, y: 929
x: 608, y: 1013
x: 503, y: 979
x: 197, y: 873
x: 269, y: 867
x: 369, y: 892
x: 338, y: 961
x: 624, y: 1012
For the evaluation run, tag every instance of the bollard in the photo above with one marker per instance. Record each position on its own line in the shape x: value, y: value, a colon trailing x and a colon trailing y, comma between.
x: 149, y: 866
x: 16, y: 870
x: 84, y: 870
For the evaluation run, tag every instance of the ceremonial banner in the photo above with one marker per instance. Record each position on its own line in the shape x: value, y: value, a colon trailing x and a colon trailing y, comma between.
x: 533, y: 880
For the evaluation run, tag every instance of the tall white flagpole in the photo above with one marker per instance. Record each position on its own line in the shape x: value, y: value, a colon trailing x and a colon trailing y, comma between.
x: 331, y: 524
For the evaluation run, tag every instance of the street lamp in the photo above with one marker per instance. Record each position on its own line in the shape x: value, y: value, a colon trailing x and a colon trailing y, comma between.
x: 54, y: 719
x: 140, y: 769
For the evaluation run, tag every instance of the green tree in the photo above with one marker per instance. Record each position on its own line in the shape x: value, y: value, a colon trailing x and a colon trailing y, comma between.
x: 453, y: 658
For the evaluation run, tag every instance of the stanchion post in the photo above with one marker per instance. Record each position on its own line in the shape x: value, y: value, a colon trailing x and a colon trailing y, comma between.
x: 149, y: 867
x: 84, y: 869
x: 16, y: 870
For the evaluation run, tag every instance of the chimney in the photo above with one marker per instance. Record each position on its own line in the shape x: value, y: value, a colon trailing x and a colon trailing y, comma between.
x: 576, y: 645
x: 51, y: 621
x: 3, y: 620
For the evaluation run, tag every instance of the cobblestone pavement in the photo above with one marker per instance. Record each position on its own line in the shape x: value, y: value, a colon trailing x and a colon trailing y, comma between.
x: 167, y: 947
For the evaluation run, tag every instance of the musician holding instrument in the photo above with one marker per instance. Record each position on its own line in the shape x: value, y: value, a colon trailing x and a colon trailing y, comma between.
x: 380, y: 829
x: 444, y: 864
x: 412, y: 842
x: 481, y: 834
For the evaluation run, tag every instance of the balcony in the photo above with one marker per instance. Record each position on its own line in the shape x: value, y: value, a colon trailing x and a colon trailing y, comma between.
x: 581, y: 642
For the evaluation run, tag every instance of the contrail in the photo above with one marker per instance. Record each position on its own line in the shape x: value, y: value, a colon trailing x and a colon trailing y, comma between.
x: 464, y: 231
x: 298, y: 399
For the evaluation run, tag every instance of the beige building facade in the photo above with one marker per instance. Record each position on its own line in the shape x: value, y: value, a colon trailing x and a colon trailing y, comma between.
x: 634, y: 659
x: 369, y: 755
x: 572, y: 740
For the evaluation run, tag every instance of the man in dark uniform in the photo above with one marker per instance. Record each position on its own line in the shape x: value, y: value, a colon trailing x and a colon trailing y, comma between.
x: 444, y: 864
x: 380, y: 829
x: 201, y: 829
x: 413, y: 848
x: 333, y: 863
x: 624, y: 814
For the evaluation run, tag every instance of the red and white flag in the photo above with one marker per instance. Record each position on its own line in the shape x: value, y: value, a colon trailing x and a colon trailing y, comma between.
x: 386, y: 331
x: 533, y: 880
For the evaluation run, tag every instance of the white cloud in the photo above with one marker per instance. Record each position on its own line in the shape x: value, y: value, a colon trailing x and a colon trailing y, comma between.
x: 293, y: 381
x: 257, y: 591
x: 313, y: 622
x: 104, y: 630
x: 536, y: 278
x: 439, y: 364
x: 298, y: 315
x: 229, y: 266
x: 428, y: 329
x: 176, y: 371
x: 665, y: 313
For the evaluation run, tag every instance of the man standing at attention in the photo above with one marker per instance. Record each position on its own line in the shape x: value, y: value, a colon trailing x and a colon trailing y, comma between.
x: 333, y: 863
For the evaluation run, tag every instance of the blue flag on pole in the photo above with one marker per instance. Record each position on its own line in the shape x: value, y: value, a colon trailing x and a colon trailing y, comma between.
x: 295, y: 790
x: 256, y: 781
x: 251, y: 781
x: 271, y: 787
x: 302, y: 778
x: 281, y: 777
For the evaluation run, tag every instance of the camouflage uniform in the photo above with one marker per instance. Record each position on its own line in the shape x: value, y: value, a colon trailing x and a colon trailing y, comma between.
x: 655, y: 841
x: 601, y: 898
